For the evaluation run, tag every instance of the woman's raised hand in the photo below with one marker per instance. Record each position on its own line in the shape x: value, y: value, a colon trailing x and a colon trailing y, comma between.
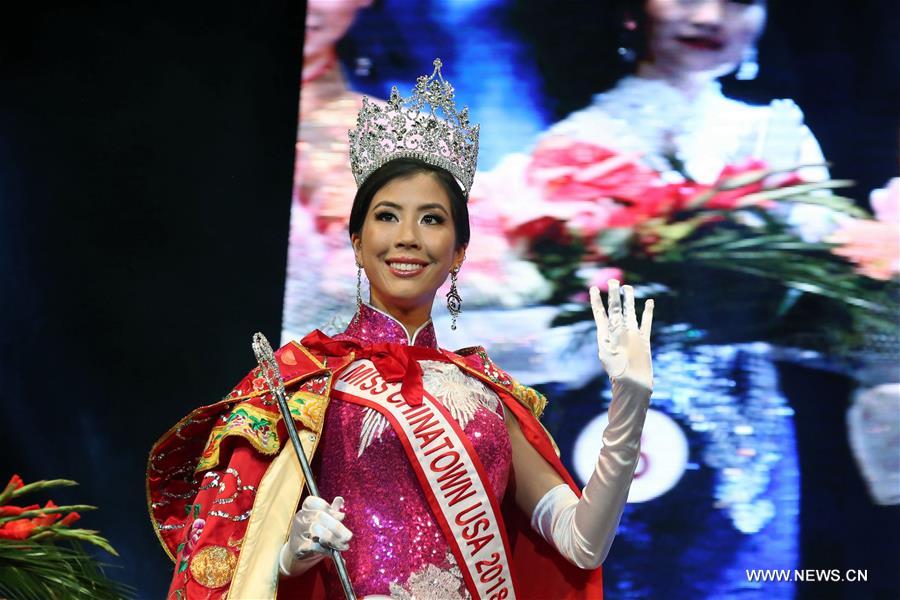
x: 582, y: 529
x: 315, y: 531
x: 624, y: 345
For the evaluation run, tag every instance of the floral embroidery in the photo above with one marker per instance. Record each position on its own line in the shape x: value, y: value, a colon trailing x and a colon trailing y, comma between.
x: 460, y: 393
x: 257, y: 424
x: 259, y: 382
x: 530, y: 397
x: 309, y: 409
x: 433, y: 582
x: 254, y: 424
x: 186, y: 548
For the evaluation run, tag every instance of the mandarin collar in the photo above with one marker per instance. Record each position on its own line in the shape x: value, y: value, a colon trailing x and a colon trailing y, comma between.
x: 372, y: 326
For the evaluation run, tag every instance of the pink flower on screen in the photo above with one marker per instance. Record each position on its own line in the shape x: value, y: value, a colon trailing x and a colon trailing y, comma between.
x: 589, y: 221
x: 873, y: 244
x: 886, y: 202
x: 571, y: 171
x: 601, y: 277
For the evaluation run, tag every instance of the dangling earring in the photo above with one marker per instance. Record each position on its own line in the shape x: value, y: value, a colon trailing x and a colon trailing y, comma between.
x: 358, y: 286
x: 454, y: 302
x: 749, y: 67
x: 362, y: 66
x: 626, y: 50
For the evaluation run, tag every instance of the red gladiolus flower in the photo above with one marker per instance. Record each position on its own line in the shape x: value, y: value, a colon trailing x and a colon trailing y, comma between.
x: 572, y: 171
x: 16, y: 482
x: 11, y: 511
x: 47, y: 519
x: 17, y: 530
x: 730, y: 199
x: 69, y: 519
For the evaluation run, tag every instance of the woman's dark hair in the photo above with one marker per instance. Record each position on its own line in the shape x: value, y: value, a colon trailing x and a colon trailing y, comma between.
x: 407, y: 167
x: 592, y: 63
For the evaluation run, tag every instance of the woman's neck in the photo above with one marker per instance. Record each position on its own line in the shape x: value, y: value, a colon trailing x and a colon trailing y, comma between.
x: 690, y: 84
x: 412, y: 318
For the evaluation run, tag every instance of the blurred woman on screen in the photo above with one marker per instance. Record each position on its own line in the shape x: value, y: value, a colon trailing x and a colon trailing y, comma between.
x: 663, y: 116
x: 317, y: 288
x: 666, y: 106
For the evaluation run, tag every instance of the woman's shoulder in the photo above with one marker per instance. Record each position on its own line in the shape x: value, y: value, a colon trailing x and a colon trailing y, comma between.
x: 781, y: 109
x: 475, y: 361
x: 779, y: 135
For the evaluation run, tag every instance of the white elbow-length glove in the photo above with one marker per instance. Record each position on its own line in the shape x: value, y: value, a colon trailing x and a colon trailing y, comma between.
x: 582, y: 530
x: 315, y: 530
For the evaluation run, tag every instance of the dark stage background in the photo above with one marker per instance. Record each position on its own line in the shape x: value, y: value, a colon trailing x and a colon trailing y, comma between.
x: 146, y: 153
x: 146, y: 164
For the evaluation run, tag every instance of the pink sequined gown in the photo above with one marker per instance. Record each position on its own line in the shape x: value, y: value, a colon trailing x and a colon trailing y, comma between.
x: 398, y: 548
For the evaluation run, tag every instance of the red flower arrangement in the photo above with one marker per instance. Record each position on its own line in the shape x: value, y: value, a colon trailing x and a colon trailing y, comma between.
x: 31, y: 517
x: 583, y: 213
x: 592, y: 189
x: 31, y: 556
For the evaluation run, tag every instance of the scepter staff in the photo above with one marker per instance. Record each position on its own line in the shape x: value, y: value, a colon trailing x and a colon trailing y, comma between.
x: 272, y: 373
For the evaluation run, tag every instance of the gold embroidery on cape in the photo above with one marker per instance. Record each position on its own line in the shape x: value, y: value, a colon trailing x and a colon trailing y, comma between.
x: 207, y: 412
x: 213, y: 566
x: 309, y: 409
x: 530, y: 397
x: 254, y: 424
x: 259, y: 426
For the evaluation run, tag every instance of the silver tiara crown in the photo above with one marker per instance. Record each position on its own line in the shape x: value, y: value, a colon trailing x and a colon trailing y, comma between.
x: 438, y: 135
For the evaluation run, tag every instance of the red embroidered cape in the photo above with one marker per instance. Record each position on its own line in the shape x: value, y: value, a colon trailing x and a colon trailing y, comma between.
x: 204, y: 476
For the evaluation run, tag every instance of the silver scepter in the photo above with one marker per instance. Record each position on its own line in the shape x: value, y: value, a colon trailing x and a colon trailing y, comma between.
x: 269, y: 367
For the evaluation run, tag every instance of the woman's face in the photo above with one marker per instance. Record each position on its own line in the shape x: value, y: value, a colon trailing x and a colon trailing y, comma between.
x: 688, y: 36
x: 408, y: 243
x: 326, y: 23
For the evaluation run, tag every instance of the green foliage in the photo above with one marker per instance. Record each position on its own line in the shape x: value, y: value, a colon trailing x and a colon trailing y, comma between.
x: 51, y: 563
x: 558, y: 261
x: 42, y: 571
x: 10, y: 492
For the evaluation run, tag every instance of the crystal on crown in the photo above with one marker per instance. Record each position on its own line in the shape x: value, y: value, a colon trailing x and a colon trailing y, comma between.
x: 439, y: 135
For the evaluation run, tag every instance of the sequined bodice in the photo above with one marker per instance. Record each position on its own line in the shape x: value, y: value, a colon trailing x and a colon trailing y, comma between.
x: 398, y: 547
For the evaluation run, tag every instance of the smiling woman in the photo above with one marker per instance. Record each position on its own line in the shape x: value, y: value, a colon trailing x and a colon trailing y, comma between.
x: 416, y: 448
x: 708, y: 38
x: 410, y: 228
